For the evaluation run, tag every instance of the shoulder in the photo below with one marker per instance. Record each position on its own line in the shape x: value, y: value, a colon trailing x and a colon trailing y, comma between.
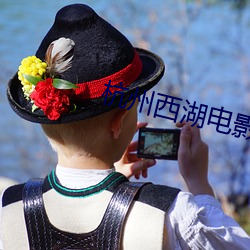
x: 12, y: 194
x: 186, y: 200
x: 186, y: 203
x: 158, y: 196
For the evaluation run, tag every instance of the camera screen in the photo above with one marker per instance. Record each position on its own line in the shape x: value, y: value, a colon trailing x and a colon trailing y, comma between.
x: 158, y: 143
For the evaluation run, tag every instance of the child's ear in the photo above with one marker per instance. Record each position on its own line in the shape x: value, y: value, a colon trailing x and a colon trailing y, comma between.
x: 117, y: 122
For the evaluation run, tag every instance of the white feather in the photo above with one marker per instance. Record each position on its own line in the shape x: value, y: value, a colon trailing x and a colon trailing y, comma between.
x: 62, y: 46
x: 56, y: 55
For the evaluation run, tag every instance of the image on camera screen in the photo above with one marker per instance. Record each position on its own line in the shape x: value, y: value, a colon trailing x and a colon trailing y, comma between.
x: 158, y: 144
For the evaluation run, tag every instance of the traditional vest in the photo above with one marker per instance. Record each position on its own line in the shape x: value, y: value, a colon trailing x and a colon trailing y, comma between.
x: 99, y: 217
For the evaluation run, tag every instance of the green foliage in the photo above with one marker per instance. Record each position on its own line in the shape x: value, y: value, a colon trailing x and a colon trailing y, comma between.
x: 57, y: 83
x: 63, y: 84
x: 32, y: 79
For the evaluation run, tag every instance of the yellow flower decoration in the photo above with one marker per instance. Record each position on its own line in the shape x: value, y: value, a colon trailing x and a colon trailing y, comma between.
x: 31, y: 66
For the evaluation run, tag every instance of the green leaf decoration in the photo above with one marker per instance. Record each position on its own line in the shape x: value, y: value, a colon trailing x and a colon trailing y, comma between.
x: 63, y: 84
x: 32, y: 79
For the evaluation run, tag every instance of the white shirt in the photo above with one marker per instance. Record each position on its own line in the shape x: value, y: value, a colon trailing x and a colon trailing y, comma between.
x: 195, y: 222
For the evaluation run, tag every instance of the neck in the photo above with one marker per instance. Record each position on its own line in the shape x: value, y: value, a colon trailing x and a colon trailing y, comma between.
x: 96, y: 156
x: 84, y: 162
x: 96, y: 160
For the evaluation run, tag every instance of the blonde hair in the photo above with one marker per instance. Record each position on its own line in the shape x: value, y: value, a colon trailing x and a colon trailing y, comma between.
x: 81, y: 136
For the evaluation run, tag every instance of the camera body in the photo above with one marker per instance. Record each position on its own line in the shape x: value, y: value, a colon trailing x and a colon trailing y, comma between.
x: 155, y: 143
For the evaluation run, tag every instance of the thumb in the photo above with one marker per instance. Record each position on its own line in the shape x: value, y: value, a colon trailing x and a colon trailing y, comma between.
x: 185, y: 139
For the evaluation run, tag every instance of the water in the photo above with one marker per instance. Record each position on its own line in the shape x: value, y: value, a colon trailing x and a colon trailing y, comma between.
x: 207, y: 57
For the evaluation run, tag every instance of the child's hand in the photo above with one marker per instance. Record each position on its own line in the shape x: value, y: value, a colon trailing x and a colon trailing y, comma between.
x: 130, y: 165
x: 193, y: 160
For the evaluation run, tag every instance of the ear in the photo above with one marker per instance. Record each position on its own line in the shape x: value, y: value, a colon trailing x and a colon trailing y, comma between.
x: 117, y: 122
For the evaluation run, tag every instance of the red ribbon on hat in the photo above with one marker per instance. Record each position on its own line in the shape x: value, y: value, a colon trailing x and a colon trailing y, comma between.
x: 126, y: 76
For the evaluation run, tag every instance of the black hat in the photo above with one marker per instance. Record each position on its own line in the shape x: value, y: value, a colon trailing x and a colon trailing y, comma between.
x: 97, y: 58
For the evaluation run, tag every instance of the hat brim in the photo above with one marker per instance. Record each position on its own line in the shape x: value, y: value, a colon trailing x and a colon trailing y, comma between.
x: 152, y: 72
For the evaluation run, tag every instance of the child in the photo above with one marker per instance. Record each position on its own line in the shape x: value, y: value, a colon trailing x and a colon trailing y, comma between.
x: 63, y: 91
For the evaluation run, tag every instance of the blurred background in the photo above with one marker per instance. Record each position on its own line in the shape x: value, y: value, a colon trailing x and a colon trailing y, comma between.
x: 205, y: 46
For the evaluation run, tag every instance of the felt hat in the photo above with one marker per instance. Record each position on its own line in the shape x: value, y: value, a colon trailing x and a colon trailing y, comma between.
x: 100, y: 70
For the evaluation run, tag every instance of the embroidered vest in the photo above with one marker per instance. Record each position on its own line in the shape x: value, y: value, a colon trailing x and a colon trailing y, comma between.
x: 109, y: 233
x: 43, y: 235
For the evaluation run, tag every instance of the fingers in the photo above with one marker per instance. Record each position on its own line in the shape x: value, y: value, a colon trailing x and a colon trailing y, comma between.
x: 179, y: 124
x: 189, y: 137
x: 191, y: 145
x: 141, y: 125
x: 141, y: 168
x: 132, y: 158
x: 142, y: 164
x: 137, y: 176
x: 145, y: 173
x: 137, y: 168
x: 132, y: 146
x: 195, y: 131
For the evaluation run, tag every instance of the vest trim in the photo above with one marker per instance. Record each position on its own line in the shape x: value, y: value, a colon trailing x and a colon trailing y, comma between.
x: 109, y: 181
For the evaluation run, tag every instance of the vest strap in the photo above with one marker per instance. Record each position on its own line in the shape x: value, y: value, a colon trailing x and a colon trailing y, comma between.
x: 38, y: 233
x: 114, y: 218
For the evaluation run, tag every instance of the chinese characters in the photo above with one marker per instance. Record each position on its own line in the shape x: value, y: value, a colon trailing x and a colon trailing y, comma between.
x: 168, y: 107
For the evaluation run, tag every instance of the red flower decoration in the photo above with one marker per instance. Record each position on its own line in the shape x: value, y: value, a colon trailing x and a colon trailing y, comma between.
x: 52, y: 101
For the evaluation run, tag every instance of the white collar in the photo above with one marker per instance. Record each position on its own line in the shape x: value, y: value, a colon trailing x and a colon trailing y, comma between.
x: 74, y: 178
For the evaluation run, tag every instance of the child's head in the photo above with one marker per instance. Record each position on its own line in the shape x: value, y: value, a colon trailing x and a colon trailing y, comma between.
x: 83, y: 71
x: 115, y: 129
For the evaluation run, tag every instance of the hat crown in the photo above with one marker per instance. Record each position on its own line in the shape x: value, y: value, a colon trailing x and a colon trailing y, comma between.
x: 76, y: 13
x: 100, y: 49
